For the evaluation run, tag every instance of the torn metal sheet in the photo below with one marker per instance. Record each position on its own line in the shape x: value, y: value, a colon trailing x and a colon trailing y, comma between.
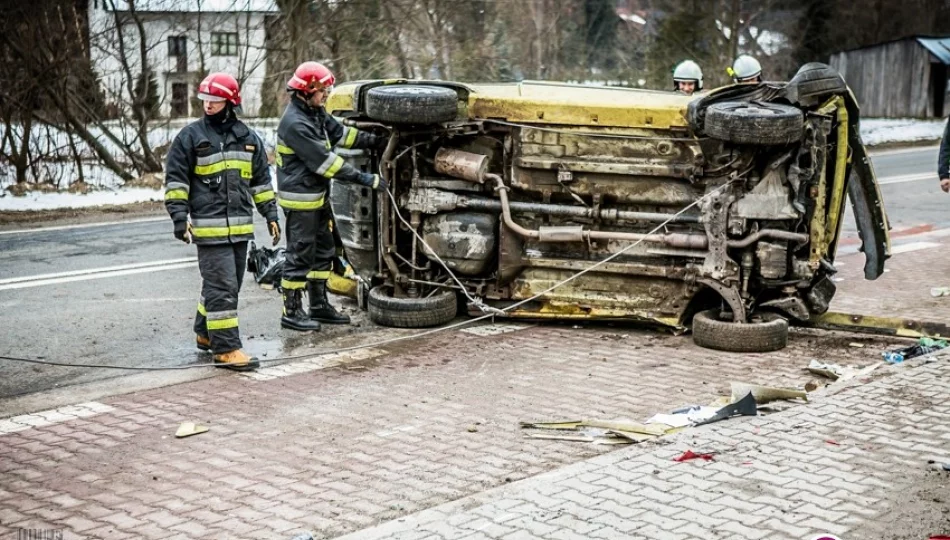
x: 887, y: 326
x: 187, y: 429
x: 568, y: 425
x: 632, y: 436
x: 559, y: 437
x: 654, y: 429
x: 765, y: 394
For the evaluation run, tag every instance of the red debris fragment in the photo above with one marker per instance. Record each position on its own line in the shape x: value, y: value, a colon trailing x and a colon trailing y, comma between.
x: 689, y: 454
x: 829, y: 441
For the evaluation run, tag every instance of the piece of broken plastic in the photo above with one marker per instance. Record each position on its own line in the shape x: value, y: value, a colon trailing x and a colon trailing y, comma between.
x: 743, y: 407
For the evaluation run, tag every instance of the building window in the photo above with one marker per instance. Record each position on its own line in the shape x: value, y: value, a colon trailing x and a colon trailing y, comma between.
x: 177, y: 46
x: 224, y: 43
x: 179, y: 100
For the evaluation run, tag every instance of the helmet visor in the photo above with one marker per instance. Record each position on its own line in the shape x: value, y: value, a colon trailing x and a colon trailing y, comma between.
x: 208, y: 97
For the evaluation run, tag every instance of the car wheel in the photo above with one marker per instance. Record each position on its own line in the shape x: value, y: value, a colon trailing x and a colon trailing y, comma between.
x: 814, y: 83
x: 412, y: 104
x: 764, y: 333
x: 434, y: 310
x: 754, y: 123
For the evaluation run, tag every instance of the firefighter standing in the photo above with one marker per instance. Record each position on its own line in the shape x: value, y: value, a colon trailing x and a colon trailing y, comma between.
x: 305, y: 165
x: 687, y: 77
x: 217, y: 172
x: 746, y: 69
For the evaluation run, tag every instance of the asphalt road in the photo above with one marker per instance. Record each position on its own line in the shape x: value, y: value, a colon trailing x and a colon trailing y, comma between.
x: 139, y: 310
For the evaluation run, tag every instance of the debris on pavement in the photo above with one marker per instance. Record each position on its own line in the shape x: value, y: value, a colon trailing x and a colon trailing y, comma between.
x: 266, y: 264
x: 559, y: 437
x: 742, y: 407
x: 832, y: 371
x: 765, y: 394
x: 923, y: 347
x: 684, y: 417
x: 596, y: 431
x: 570, y: 424
x: 187, y: 429
x: 689, y: 454
x: 939, y: 291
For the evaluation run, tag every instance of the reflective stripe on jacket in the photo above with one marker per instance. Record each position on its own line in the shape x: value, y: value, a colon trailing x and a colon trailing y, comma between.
x: 305, y: 159
x: 218, y: 178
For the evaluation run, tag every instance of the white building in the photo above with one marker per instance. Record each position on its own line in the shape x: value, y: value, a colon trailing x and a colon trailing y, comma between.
x: 183, y: 40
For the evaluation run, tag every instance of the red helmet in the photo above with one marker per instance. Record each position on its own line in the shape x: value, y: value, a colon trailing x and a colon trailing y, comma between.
x: 220, y: 87
x: 311, y: 76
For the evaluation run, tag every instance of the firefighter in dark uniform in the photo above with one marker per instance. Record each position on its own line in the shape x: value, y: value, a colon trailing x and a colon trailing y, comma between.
x: 306, y: 164
x: 216, y: 172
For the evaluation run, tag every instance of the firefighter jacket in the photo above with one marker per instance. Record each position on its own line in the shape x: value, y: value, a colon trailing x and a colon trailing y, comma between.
x: 305, y: 158
x: 218, y: 178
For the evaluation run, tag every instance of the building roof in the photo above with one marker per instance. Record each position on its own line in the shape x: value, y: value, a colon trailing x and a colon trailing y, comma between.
x: 938, y: 46
x: 195, y: 6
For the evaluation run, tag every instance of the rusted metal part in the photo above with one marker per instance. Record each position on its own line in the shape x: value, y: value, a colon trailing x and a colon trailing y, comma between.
x: 626, y: 269
x: 715, y: 216
x: 629, y: 167
x: 464, y: 240
x: 774, y: 234
x: 459, y: 164
x: 602, y: 214
x: 887, y: 326
x: 730, y: 295
x: 388, y: 170
x: 792, y: 305
x: 360, y: 124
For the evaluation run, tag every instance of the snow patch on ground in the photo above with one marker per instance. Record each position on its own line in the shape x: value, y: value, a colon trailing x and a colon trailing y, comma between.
x: 876, y: 131
x: 49, y: 201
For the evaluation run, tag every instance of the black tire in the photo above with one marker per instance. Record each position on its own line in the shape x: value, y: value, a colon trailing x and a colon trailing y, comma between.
x: 412, y: 104
x: 435, y: 310
x: 814, y: 84
x: 754, y: 123
x: 766, y: 332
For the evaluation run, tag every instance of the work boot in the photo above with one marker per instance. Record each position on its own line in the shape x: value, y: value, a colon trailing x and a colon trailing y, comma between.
x: 203, y: 343
x: 320, y: 308
x: 295, y: 318
x: 236, y: 360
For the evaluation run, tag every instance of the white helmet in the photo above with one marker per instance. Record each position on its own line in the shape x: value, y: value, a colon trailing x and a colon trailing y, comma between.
x: 746, y: 67
x: 687, y: 70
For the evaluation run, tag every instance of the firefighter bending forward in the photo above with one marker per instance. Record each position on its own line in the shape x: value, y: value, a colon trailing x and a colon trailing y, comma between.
x: 217, y: 172
x: 306, y: 163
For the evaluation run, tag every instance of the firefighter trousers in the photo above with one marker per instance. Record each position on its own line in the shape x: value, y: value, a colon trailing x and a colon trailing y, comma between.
x: 222, y: 272
x: 310, y: 248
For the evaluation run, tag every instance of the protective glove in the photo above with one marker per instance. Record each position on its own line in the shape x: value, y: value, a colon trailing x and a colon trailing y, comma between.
x: 184, y: 231
x: 374, y: 181
x: 274, y: 229
x: 379, y: 142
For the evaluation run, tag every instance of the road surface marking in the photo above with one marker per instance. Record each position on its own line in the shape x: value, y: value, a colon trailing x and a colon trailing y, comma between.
x: 96, y: 273
x: 24, y: 422
x: 313, y: 364
x: 912, y: 246
x: 912, y: 150
x: 908, y: 178
x: 84, y: 226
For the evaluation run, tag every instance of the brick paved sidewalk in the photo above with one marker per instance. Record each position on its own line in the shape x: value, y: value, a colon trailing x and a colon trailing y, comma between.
x: 838, y: 466
x: 340, y: 449
x: 385, y: 434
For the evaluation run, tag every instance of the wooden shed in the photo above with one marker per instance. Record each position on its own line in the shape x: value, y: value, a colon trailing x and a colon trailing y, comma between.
x: 905, y: 78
